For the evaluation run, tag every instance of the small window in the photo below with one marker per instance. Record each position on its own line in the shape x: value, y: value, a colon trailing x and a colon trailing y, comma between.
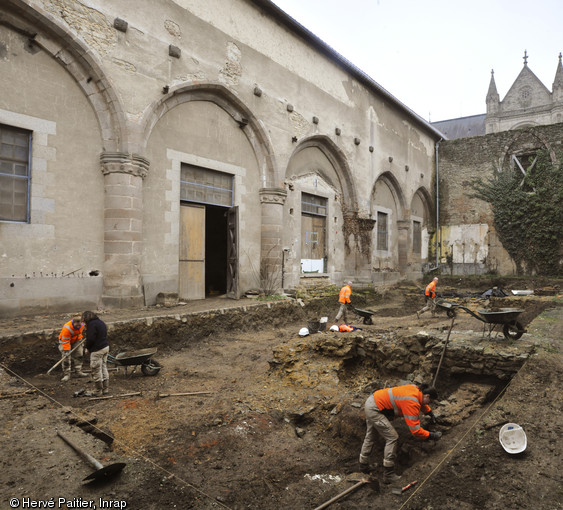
x: 312, y: 204
x: 416, y: 237
x: 382, y: 231
x: 14, y: 174
x: 206, y: 186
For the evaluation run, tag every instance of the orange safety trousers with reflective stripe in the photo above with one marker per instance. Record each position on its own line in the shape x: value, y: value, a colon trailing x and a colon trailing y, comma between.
x: 345, y: 293
x: 406, y: 401
x: 69, y: 335
x: 431, y: 289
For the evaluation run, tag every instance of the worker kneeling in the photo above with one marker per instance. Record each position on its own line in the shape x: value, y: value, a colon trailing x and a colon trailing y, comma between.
x: 406, y: 401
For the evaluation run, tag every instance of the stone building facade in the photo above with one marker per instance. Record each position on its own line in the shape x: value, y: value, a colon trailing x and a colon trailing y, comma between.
x: 196, y: 147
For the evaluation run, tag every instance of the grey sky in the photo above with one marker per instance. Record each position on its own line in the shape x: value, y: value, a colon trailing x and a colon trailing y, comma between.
x: 436, y: 56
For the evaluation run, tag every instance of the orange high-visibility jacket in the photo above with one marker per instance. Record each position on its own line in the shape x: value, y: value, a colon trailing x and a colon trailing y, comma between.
x: 345, y: 293
x: 406, y: 401
x: 431, y: 289
x: 69, y: 335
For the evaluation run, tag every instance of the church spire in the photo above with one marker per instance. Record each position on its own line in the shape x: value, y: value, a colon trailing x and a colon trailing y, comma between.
x: 492, y: 93
x: 558, y: 81
x: 493, y: 99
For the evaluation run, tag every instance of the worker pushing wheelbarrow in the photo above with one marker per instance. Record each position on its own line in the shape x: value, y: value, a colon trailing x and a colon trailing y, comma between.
x: 505, y: 317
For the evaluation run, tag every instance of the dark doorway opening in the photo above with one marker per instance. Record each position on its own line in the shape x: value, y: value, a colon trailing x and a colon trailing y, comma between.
x: 215, y: 250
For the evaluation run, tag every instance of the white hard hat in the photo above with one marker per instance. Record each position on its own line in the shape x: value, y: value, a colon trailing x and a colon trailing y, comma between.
x: 512, y: 438
x: 303, y: 332
x: 334, y: 328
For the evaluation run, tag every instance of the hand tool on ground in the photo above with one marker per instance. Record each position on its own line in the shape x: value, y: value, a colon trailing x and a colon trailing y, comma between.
x: 398, y: 490
x: 107, y: 397
x: 101, y: 473
x: 164, y: 395
x: 14, y: 395
x: 364, y: 480
x: 78, y: 344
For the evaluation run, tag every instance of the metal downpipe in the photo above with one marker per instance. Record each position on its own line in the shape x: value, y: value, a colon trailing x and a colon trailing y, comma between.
x: 437, y: 201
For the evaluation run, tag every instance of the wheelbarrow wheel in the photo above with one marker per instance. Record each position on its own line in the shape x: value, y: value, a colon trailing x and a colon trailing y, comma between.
x: 151, y: 367
x: 368, y: 320
x: 513, y: 331
x: 451, y: 313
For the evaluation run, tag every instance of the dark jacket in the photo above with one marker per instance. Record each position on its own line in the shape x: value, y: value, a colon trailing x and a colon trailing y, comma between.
x: 96, y: 335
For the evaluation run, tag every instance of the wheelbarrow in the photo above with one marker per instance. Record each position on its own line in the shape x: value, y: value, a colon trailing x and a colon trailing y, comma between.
x: 505, y: 317
x: 364, y: 314
x: 133, y: 359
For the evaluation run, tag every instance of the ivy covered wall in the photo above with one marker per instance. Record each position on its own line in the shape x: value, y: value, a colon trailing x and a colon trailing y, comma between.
x: 470, y: 241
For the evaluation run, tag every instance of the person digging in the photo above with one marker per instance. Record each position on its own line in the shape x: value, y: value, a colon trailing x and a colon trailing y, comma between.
x: 72, y: 353
x: 430, y: 296
x: 406, y: 401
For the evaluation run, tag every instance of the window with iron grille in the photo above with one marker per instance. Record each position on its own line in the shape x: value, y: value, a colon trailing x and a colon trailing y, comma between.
x: 382, y: 232
x: 313, y: 233
x: 416, y: 237
x: 206, y: 186
x: 14, y: 173
x: 312, y: 204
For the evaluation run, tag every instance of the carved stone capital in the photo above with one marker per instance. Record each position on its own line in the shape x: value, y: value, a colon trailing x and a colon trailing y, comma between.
x: 366, y: 224
x: 123, y: 163
x: 273, y: 196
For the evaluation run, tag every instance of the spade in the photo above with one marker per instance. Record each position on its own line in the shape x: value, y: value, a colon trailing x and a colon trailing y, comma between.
x: 101, y: 473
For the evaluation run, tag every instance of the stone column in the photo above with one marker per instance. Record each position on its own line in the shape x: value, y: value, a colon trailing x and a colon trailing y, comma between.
x: 123, y: 220
x: 272, y: 201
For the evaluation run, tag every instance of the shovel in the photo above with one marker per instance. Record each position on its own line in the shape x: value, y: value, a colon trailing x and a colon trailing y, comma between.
x: 61, y: 360
x: 364, y: 480
x: 101, y: 473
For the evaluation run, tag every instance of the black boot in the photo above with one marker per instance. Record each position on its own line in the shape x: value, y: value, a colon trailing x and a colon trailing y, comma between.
x: 365, y: 468
x: 390, y: 476
x: 99, y: 388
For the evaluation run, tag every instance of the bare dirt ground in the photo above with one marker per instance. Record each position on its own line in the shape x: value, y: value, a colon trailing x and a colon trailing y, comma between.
x: 264, y: 435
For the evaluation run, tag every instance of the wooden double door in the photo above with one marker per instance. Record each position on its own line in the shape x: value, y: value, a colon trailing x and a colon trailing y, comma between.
x: 208, y: 259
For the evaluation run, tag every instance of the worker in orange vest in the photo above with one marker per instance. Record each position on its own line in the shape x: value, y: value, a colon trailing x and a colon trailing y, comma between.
x: 69, y: 335
x: 344, y: 300
x: 406, y: 401
x: 430, y: 294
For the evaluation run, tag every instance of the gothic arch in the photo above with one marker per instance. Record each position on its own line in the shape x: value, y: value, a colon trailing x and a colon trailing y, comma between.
x: 523, y: 140
x: 396, y: 191
x: 52, y: 37
x: 231, y: 104
x: 338, y: 161
x: 523, y: 125
x: 426, y: 200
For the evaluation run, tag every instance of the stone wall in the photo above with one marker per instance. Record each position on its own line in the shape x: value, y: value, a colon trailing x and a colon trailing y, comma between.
x: 418, y: 356
x: 469, y: 243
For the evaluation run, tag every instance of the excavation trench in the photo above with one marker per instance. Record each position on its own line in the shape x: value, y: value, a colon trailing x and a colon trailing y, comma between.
x: 282, y: 421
